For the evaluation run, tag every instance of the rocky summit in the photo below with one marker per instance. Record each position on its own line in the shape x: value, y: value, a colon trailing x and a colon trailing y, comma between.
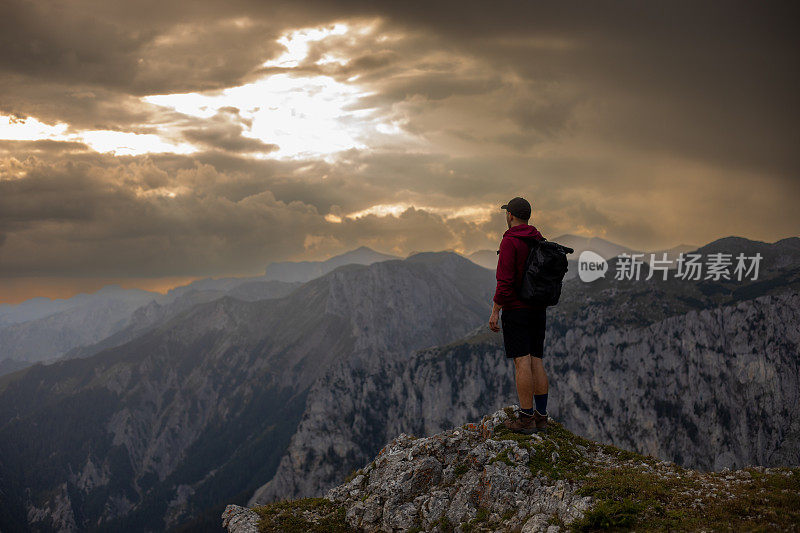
x: 482, y: 477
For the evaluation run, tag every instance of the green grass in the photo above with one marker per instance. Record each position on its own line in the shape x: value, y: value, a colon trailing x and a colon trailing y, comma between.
x: 557, y: 455
x: 481, y: 518
x: 631, y: 496
x: 445, y: 525
x: 352, y: 475
x: 482, y: 515
x: 610, y: 515
x: 628, y: 497
x: 313, y: 515
x: 503, y: 457
x: 461, y: 469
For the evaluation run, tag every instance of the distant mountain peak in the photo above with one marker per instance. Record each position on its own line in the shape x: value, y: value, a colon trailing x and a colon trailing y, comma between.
x: 302, y: 271
x: 432, y: 255
x: 361, y: 248
x: 736, y: 243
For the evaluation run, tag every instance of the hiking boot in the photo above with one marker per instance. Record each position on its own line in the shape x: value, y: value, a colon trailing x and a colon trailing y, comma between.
x: 522, y: 424
x: 540, y: 420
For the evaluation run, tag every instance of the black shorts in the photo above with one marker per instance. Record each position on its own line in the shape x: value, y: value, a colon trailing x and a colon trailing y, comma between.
x: 523, y: 331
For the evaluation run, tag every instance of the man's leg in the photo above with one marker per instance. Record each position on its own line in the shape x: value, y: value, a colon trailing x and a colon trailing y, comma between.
x: 523, y: 374
x: 540, y: 384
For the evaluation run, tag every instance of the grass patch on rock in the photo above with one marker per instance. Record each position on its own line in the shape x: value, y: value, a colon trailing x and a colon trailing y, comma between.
x: 635, y: 491
x: 628, y: 491
x: 352, y: 475
x: 461, y: 469
x: 314, y: 515
x: 673, y: 498
x: 558, y: 454
x: 503, y: 457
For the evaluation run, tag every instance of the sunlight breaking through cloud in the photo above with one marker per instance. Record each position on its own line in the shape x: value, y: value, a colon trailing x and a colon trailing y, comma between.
x: 304, y: 114
x: 473, y: 213
x: 116, y: 142
x: 297, y: 44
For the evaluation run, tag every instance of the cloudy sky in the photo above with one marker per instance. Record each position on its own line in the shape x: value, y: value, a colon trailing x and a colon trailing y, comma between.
x: 150, y: 143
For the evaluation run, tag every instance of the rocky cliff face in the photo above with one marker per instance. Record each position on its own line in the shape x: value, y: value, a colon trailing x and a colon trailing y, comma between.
x: 710, y: 389
x: 453, y: 476
x: 151, y: 433
x: 694, y: 373
x: 482, y: 477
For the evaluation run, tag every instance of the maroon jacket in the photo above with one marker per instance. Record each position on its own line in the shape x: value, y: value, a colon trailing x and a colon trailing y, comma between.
x: 510, y: 265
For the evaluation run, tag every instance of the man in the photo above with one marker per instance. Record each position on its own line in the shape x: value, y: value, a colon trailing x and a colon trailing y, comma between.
x: 523, y: 324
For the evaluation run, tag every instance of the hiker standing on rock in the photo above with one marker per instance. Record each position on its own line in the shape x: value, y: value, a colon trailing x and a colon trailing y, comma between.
x: 523, y: 323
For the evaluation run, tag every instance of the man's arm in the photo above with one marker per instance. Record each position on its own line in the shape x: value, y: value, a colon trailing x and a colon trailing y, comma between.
x: 505, y: 273
x: 505, y: 281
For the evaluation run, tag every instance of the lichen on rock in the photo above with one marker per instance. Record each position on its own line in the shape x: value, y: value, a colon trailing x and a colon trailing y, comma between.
x: 483, y: 477
x: 478, y: 475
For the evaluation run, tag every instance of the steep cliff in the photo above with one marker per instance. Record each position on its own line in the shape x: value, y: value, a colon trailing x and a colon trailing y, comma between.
x: 609, y: 386
x: 700, y: 373
x: 198, y: 410
x: 481, y: 477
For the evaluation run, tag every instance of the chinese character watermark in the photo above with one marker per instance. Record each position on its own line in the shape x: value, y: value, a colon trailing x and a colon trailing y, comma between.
x: 688, y: 266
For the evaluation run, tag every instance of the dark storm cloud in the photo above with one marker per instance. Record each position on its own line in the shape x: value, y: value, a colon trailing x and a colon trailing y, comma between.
x: 726, y: 71
x: 649, y: 123
x: 83, y: 62
x: 100, y: 215
x: 95, y: 218
x: 48, y: 40
x: 712, y: 80
x: 549, y: 118
x: 142, y: 48
x: 120, y: 219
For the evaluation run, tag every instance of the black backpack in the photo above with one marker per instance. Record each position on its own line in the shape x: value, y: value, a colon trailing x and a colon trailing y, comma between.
x: 544, y: 272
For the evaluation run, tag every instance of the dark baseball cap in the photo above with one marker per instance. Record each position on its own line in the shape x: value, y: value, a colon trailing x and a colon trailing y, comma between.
x: 519, y: 207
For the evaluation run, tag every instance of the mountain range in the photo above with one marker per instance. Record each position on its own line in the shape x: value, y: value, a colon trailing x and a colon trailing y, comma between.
x: 198, y: 410
x: 200, y: 403
x: 302, y: 271
x: 46, y: 330
x: 623, y: 356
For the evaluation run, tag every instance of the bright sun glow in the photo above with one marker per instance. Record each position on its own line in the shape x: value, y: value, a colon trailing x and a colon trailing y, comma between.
x: 120, y: 143
x: 305, y: 115
x: 473, y: 213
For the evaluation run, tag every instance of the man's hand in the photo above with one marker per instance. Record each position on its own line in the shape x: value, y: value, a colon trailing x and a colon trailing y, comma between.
x: 493, y: 321
x: 494, y: 318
